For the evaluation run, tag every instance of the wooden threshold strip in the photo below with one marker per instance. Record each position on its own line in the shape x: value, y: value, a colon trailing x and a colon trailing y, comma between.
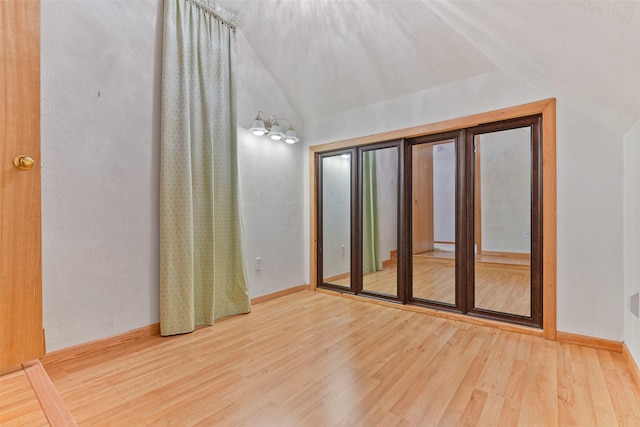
x: 51, y: 403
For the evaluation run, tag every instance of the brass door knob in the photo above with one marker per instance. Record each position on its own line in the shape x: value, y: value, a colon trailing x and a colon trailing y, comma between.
x: 23, y: 162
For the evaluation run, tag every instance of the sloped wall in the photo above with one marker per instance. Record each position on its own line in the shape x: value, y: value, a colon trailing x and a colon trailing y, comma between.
x: 589, y: 179
x: 101, y: 63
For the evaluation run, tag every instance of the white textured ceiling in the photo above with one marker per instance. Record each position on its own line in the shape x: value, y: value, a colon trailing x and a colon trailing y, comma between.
x: 329, y: 56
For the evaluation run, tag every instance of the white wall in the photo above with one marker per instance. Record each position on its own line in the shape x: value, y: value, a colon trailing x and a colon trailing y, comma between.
x: 100, y: 174
x: 589, y: 179
x: 270, y: 181
x: 632, y: 236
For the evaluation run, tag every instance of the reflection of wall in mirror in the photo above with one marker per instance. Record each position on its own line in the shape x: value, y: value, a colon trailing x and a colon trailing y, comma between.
x: 444, y: 192
x: 336, y: 232
x: 505, y: 167
x: 387, y: 174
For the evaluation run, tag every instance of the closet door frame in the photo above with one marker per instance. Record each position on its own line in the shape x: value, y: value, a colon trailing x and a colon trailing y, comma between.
x: 400, y: 223
x: 547, y: 109
x: 536, y: 248
x: 465, y: 220
x: 458, y: 136
x: 353, y: 220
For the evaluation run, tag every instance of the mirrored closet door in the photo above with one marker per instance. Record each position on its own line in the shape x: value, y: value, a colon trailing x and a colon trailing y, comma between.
x: 379, y: 214
x: 505, y: 275
x: 435, y: 252
x: 336, y: 173
x: 450, y: 221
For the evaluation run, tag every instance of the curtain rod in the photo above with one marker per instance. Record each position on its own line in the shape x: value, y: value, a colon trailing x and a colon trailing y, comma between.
x: 213, y: 12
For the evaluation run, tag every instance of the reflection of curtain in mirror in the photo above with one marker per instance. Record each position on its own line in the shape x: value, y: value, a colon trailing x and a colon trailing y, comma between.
x: 202, y: 273
x: 371, y: 260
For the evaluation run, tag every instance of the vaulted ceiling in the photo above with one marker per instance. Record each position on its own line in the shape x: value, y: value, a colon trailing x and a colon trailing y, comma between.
x: 330, y: 56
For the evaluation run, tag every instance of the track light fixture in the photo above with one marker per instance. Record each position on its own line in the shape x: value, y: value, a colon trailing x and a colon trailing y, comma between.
x: 272, y: 129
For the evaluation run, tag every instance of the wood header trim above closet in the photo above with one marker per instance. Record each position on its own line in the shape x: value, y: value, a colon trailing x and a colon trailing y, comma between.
x: 523, y: 110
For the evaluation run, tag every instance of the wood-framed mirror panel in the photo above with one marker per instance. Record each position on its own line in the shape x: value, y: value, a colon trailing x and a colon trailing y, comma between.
x: 336, y: 191
x: 435, y: 187
x: 380, y: 216
x: 505, y: 211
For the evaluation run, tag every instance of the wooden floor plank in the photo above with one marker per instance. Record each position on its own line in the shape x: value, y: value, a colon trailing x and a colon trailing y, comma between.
x: 19, y: 405
x: 312, y: 359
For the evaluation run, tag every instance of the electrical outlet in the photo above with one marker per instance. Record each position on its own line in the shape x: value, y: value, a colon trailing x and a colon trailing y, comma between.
x: 258, y: 264
x: 526, y: 234
x: 342, y: 250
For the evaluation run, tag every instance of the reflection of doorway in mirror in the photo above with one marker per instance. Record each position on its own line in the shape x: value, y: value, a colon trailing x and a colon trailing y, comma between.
x: 433, y: 218
x: 422, y: 198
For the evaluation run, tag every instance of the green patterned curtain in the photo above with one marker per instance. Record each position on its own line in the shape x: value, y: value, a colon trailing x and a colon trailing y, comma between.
x: 371, y: 259
x: 202, y: 273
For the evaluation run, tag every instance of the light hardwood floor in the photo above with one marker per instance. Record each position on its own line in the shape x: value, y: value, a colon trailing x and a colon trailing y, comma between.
x: 310, y: 359
x: 500, y: 286
x: 19, y: 405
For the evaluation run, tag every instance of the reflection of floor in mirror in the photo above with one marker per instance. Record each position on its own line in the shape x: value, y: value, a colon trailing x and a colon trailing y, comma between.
x: 500, y: 286
x: 492, y: 258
